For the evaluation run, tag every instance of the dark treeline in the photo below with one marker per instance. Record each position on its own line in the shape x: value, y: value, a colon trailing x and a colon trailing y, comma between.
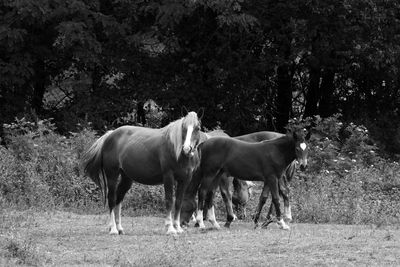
x: 251, y: 64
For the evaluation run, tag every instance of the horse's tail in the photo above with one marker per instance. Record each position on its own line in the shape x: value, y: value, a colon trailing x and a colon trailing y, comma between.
x: 92, y: 162
x: 290, y: 171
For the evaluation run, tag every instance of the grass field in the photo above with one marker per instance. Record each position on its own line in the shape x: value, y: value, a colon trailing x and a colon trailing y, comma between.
x: 69, y: 239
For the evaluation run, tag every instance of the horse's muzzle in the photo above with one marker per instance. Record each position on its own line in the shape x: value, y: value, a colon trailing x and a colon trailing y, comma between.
x: 188, y: 151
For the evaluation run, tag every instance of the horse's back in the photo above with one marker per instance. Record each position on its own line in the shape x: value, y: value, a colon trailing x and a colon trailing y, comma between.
x: 259, y: 136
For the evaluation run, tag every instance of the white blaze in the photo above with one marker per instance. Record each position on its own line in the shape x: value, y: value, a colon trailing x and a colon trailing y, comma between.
x: 303, y: 146
x: 186, y: 144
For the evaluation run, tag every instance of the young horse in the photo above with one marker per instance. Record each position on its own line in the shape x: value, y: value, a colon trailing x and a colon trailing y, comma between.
x: 264, y: 161
x: 240, y: 187
x: 147, y: 156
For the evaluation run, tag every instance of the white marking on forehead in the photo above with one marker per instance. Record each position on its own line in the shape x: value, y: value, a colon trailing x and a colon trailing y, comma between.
x: 303, y: 146
x: 189, y: 132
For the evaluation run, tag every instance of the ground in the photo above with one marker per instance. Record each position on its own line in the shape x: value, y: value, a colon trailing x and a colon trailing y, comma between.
x: 70, y: 239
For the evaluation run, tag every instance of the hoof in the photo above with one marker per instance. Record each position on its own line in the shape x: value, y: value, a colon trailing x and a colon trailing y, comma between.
x: 171, y: 231
x: 288, y: 218
x: 114, y: 232
x: 179, y: 230
x: 196, y: 224
x: 283, y: 225
x: 227, y: 224
x: 121, y: 232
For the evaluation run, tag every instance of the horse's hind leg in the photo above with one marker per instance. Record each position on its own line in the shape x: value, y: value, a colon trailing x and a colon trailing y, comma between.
x: 261, y: 202
x: 227, y: 197
x: 123, y: 187
x: 210, y: 209
x: 169, y: 200
x: 112, y: 181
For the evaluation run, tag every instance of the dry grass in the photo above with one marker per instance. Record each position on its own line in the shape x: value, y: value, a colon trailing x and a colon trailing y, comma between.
x: 60, y: 238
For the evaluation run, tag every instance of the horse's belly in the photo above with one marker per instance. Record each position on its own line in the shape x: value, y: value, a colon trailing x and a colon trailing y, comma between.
x: 143, y: 170
x: 144, y: 175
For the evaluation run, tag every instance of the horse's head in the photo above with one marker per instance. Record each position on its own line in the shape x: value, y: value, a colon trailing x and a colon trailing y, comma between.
x: 190, y: 133
x: 301, y: 148
x: 242, y: 191
x: 189, y: 206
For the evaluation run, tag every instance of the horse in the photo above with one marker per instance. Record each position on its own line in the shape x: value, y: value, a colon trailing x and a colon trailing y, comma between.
x: 240, y: 187
x: 263, y: 161
x: 148, y: 156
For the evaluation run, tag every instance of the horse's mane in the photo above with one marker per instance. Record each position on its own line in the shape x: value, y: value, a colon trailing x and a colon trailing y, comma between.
x: 173, y: 131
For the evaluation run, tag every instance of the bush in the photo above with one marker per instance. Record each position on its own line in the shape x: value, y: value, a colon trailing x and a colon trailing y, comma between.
x: 41, y: 168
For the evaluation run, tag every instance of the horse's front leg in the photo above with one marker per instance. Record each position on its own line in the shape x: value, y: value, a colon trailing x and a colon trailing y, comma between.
x: 261, y: 202
x: 180, y: 190
x: 284, y: 191
x: 169, y: 201
x: 275, y: 201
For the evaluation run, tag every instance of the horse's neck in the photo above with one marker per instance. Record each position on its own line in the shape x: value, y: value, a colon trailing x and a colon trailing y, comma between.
x: 286, y: 146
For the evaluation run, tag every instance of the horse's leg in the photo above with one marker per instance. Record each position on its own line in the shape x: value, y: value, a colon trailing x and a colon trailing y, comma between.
x: 123, y: 187
x: 211, y: 186
x: 200, y: 207
x: 210, y: 209
x: 180, y: 190
x: 284, y: 192
x: 227, y: 197
x: 275, y: 199
x: 261, y: 202
x: 112, y: 175
x: 169, y: 201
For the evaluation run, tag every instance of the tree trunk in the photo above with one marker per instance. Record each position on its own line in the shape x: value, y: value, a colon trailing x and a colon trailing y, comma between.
x: 314, y: 93
x: 39, y: 87
x: 284, y: 97
x: 326, y: 107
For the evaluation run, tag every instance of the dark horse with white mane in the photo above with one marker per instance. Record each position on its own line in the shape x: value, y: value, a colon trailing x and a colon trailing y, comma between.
x: 263, y: 161
x: 147, y: 156
x: 241, y: 192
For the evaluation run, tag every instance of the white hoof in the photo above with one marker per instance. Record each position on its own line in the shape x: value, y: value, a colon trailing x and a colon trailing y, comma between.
x: 216, y: 226
x: 171, y: 230
x: 114, y: 231
x: 179, y: 230
x: 283, y: 225
x: 235, y: 218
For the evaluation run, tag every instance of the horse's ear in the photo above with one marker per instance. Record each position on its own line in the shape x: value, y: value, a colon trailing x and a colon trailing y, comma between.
x: 184, y: 111
x: 200, y: 113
